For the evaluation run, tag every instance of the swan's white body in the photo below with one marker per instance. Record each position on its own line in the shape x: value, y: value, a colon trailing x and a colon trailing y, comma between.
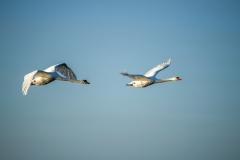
x: 56, y: 72
x: 149, y: 78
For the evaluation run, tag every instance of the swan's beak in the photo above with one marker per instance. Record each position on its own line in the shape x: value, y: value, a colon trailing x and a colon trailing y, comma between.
x: 129, y: 84
x: 86, y: 82
x: 179, y: 79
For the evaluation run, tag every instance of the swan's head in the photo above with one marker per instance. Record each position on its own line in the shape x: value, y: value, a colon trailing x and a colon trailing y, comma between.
x: 177, y: 78
x: 85, y: 82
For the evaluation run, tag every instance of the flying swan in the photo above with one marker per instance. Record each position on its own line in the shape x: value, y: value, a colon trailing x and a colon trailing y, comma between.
x: 55, y: 72
x: 141, y: 81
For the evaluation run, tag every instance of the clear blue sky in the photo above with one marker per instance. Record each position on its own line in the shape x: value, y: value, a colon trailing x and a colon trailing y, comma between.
x: 196, y: 118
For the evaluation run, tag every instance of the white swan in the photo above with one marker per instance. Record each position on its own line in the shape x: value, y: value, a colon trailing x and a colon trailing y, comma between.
x: 149, y: 78
x: 48, y: 75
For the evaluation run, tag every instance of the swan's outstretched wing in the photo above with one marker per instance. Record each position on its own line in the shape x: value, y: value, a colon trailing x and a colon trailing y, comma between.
x: 27, y: 81
x: 154, y: 71
x: 135, y: 77
x: 63, y: 69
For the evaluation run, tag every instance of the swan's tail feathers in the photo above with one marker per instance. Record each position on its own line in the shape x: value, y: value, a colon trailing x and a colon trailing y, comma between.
x: 124, y: 72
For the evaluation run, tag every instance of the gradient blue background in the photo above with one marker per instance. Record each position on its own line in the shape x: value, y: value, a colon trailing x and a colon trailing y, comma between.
x: 196, y: 118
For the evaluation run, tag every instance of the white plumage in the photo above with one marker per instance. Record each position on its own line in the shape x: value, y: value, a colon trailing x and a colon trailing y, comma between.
x: 56, y: 72
x: 149, y: 78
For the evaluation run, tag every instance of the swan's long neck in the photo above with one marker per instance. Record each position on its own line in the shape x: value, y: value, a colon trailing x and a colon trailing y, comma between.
x: 165, y: 80
x: 70, y: 80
